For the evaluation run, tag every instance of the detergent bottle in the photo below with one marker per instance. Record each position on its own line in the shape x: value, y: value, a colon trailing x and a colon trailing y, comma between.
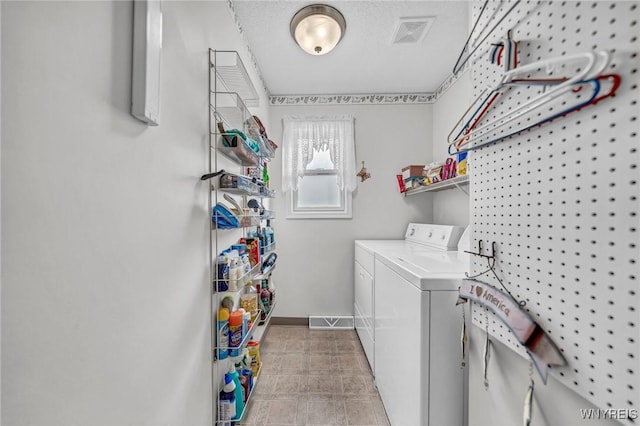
x: 223, y: 333
x: 239, y: 391
x: 227, y: 403
x: 235, y: 332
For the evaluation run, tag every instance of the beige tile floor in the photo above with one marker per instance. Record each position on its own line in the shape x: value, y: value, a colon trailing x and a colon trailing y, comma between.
x: 314, y: 377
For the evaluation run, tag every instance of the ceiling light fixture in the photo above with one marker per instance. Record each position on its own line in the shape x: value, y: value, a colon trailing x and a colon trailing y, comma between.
x: 318, y: 28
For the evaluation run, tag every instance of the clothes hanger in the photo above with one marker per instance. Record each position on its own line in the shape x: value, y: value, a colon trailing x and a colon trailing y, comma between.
x: 549, y: 64
x: 613, y: 80
x: 472, y: 145
x: 458, y: 66
x: 589, y: 69
x: 594, y: 63
x: 465, y: 139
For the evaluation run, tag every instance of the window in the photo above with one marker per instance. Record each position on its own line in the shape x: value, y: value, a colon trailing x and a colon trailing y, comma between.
x: 318, y: 167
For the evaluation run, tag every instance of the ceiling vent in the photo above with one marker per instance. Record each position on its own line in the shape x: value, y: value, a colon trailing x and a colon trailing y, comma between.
x: 412, y: 30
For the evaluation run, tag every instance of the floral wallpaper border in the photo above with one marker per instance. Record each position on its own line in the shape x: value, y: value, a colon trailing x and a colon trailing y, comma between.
x: 371, y: 99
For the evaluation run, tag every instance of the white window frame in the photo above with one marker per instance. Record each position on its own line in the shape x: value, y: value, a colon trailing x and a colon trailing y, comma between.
x: 302, y: 136
x: 344, y: 212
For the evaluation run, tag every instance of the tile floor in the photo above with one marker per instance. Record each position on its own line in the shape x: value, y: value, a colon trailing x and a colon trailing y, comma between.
x: 314, y: 377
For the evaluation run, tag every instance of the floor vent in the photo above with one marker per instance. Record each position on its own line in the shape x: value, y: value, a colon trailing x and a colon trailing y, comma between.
x: 331, y: 323
x: 412, y: 30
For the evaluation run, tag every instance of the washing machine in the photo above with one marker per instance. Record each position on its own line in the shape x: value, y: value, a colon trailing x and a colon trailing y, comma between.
x: 363, y: 297
x: 414, y: 323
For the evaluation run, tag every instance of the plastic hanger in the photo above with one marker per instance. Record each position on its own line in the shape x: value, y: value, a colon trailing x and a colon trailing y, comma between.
x: 596, y: 89
x: 593, y: 64
x: 549, y: 64
x: 613, y: 79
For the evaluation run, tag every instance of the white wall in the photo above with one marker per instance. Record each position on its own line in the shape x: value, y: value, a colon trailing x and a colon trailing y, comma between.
x: 600, y: 364
x: 502, y: 403
x: 315, y: 257
x: 450, y: 207
x: 105, y: 270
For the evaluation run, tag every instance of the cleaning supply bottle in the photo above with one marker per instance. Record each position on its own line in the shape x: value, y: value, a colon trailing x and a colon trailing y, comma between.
x: 234, y: 273
x: 227, y: 402
x: 235, y: 332
x: 272, y: 291
x: 246, y: 265
x: 233, y: 373
x: 270, y: 234
x: 223, y: 333
x: 244, y: 367
x: 246, y: 322
x: 222, y: 277
x: 249, y: 300
x: 265, y: 296
x: 253, y: 347
x: 265, y: 175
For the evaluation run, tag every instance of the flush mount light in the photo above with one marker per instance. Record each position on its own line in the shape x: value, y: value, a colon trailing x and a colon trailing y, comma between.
x: 318, y: 28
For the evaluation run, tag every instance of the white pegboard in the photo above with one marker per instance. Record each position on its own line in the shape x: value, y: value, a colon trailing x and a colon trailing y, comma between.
x: 561, y: 200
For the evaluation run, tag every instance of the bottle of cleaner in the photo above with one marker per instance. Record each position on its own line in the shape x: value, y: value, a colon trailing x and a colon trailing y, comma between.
x: 244, y: 367
x: 223, y: 333
x: 246, y: 322
x: 227, y: 403
x: 235, y: 332
x: 249, y: 300
x: 265, y: 175
x: 270, y: 234
x: 233, y: 373
x: 246, y: 265
x: 244, y: 382
x: 265, y: 296
x: 233, y: 274
x: 222, y: 281
x: 253, y: 347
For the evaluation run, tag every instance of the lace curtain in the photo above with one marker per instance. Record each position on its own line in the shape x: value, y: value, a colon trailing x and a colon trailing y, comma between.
x: 301, y: 135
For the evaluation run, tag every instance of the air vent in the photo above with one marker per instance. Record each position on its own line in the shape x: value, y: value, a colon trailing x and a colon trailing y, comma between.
x: 412, y: 30
x: 331, y: 323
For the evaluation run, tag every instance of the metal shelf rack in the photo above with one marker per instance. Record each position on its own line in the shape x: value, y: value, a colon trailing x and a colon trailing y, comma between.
x: 230, y: 121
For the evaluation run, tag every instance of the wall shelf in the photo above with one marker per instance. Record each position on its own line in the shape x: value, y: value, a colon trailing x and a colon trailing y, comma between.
x: 233, y: 75
x: 256, y: 271
x: 240, y: 154
x: 231, y: 108
x: 230, y: 92
x: 247, y: 221
x: 269, y: 193
x: 455, y: 182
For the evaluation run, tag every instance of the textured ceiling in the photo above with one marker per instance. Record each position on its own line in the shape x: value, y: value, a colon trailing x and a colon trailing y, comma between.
x: 365, y: 61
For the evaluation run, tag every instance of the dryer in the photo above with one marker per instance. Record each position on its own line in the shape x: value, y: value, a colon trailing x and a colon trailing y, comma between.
x: 412, y: 330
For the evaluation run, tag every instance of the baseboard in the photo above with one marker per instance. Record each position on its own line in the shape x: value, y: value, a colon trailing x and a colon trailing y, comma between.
x: 289, y: 321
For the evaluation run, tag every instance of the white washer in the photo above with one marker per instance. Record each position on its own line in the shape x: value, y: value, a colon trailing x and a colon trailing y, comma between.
x: 414, y: 325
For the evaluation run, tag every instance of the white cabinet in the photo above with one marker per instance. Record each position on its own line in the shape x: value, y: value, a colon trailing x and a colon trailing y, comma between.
x: 363, y: 301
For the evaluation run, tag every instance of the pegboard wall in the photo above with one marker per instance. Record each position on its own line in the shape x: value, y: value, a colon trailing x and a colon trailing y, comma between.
x: 561, y: 200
